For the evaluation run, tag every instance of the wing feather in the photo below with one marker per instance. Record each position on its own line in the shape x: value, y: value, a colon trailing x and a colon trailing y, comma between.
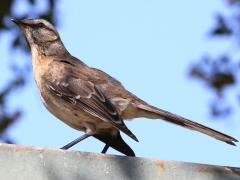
x: 89, y: 98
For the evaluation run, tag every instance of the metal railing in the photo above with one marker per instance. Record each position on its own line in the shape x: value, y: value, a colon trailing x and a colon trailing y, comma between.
x: 28, y: 163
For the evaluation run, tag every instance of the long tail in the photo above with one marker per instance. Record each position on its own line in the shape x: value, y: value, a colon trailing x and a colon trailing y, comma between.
x: 156, y: 113
x: 117, y: 143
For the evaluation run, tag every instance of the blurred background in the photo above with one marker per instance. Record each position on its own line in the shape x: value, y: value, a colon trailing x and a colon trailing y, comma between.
x: 181, y: 56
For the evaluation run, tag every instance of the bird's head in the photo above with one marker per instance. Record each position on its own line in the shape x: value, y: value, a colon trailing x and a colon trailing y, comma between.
x: 37, y: 30
x: 40, y: 35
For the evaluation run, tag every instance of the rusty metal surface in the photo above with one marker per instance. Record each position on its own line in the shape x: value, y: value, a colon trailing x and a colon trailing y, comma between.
x: 27, y: 163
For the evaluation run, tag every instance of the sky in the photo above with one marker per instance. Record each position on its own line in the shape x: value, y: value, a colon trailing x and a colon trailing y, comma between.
x: 148, y: 46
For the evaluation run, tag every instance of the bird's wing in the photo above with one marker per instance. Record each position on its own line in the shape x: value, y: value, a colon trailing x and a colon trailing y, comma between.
x: 89, y: 98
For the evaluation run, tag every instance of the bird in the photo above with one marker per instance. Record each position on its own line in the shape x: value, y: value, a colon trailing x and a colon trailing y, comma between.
x: 88, y: 99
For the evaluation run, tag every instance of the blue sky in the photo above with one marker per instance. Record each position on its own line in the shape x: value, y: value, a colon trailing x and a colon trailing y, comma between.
x: 148, y: 46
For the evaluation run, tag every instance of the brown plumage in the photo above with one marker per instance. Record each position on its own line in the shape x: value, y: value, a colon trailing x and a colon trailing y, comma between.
x: 86, y: 98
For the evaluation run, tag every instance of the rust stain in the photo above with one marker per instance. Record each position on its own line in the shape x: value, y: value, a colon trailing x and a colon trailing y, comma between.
x: 219, y: 169
x: 161, y: 164
x: 17, y: 148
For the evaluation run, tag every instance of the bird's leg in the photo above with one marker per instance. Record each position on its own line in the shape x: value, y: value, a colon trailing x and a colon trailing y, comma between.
x: 74, y: 142
x: 108, y: 144
x: 105, y: 148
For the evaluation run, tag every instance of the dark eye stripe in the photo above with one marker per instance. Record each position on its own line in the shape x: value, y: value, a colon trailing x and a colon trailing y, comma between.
x: 42, y: 25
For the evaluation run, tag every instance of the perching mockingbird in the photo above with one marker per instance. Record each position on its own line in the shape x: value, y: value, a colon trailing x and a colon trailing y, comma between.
x: 88, y: 99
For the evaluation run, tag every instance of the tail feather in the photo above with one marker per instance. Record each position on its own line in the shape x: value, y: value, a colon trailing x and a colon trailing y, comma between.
x: 155, y: 113
x: 117, y: 143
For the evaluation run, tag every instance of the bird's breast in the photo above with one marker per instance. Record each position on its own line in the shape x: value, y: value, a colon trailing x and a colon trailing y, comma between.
x: 40, y: 67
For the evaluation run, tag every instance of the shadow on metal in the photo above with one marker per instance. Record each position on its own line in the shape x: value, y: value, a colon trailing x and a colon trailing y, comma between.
x: 27, y: 163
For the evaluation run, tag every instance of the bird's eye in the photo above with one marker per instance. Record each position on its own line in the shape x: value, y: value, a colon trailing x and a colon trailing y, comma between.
x: 41, y: 25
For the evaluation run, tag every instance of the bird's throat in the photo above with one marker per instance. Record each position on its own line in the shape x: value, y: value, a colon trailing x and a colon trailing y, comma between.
x: 48, y: 49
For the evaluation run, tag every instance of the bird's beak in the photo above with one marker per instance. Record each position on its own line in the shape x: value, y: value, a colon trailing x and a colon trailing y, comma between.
x: 18, y: 21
